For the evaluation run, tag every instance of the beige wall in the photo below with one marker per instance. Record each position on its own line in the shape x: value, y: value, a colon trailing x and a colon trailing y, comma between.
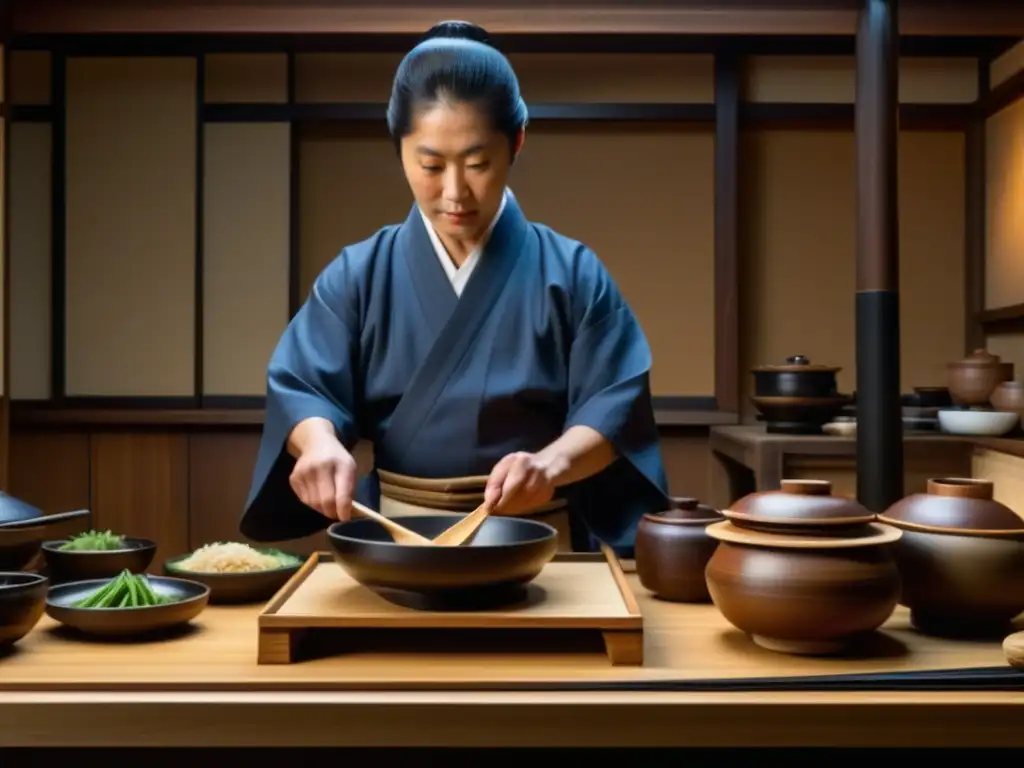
x: 1004, y: 203
x: 641, y: 195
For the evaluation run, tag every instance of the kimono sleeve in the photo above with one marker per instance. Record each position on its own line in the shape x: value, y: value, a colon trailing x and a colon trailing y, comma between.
x: 312, y: 373
x: 609, y: 391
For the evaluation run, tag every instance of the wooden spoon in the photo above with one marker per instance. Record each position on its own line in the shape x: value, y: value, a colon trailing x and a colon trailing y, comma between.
x: 399, y: 533
x: 1013, y: 649
x: 463, y: 530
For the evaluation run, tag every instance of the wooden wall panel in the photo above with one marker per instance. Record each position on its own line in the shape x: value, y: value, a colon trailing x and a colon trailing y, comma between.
x: 1004, y: 199
x: 832, y: 79
x: 246, y: 234
x: 333, y: 77
x: 1007, y: 65
x: 29, y: 81
x: 351, y: 185
x: 50, y: 469
x: 1006, y: 473
x: 798, y: 256
x: 642, y: 197
x: 139, y: 488
x: 30, y: 236
x: 246, y: 77
x: 131, y: 170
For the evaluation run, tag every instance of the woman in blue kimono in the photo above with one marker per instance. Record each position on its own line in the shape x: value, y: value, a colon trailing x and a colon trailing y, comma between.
x: 464, y: 341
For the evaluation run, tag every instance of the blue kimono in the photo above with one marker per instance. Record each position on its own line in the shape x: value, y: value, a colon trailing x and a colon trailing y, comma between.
x: 540, y: 340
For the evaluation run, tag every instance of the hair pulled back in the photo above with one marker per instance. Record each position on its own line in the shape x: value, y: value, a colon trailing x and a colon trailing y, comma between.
x: 455, y: 62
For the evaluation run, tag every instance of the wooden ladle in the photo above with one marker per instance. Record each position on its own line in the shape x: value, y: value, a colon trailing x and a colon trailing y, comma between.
x: 463, y: 530
x: 399, y: 533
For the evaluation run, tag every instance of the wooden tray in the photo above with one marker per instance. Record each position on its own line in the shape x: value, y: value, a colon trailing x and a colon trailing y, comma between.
x: 582, y: 592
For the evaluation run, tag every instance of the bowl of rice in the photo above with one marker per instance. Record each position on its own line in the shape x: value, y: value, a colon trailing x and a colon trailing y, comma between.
x: 236, y: 572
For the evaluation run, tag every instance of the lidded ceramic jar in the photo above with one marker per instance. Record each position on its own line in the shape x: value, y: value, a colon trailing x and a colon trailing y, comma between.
x: 973, y: 379
x: 1008, y: 396
x: 961, y: 557
x: 802, y: 571
x: 672, y: 550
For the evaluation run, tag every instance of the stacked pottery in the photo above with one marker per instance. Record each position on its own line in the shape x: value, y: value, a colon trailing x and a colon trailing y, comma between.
x: 672, y: 550
x: 797, y: 397
x: 961, y: 557
x: 802, y: 571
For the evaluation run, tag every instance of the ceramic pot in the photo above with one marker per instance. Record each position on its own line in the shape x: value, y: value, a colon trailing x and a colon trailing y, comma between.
x: 795, y: 378
x: 1008, y: 396
x: 973, y: 379
x: 672, y: 550
x: 799, y: 506
x: 961, y: 558
x: 801, y: 593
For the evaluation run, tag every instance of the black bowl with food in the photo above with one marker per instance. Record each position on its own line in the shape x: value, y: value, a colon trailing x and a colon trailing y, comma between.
x: 504, y: 556
x: 236, y: 572
x: 130, y: 604
x: 22, y: 601
x: 96, y: 555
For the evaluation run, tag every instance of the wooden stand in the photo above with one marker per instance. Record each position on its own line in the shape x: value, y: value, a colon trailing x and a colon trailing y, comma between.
x: 578, y: 591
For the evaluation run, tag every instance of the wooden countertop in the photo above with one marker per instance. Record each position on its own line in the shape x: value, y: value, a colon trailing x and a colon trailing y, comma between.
x: 205, y: 688
x: 738, y: 438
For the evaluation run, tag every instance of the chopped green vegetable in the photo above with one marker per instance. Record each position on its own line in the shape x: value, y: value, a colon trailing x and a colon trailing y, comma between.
x: 94, y: 541
x: 126, y: 590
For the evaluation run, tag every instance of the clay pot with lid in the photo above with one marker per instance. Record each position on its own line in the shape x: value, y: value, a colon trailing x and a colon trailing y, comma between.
x: 797, y: 397
x: 973, y: 380
x: 802, y: 571
x: 672, y: 550
x: 1008, y: 396
x: 961, y: 557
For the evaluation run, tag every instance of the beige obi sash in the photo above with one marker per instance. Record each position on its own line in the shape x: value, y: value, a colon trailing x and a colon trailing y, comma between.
x: 403, y: 495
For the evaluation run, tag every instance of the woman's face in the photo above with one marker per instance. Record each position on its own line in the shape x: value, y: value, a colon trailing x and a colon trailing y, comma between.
x: 457, y: 167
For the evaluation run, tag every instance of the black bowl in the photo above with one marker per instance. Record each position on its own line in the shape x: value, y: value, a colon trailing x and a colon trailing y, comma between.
x: 796, y: 378
x: 249, y: 587
x: 82, y: 565
x: 122, y: 622
x: 22, y: 600
x: 505, y: 555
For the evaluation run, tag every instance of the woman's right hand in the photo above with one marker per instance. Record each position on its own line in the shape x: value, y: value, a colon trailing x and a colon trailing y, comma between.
x: 324, y: 477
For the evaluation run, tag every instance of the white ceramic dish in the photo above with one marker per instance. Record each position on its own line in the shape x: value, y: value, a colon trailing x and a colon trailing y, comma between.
x: 991, y: 423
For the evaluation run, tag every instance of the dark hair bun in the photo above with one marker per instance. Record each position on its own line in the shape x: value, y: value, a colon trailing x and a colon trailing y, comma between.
x: 462, y: 30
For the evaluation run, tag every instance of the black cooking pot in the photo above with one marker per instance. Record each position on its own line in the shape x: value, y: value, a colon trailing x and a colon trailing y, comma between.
x: 505, y: 555
x: 24, y: 528
x: 796, y: 378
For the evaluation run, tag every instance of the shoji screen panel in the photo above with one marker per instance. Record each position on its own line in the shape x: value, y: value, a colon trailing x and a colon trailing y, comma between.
x: 30, y: 273
x: 131, y: 176
x: 245, y: 253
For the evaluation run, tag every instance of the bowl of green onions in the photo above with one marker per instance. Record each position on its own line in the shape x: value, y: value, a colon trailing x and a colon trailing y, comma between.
x: 96, y: 555
x: 128, y: 604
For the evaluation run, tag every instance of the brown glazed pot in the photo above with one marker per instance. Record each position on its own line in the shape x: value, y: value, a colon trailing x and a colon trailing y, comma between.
x: 1009, y: 397
x: 802, y: 571
x: 961, y: 558
x: 973, y: 379
x: 672, y: 550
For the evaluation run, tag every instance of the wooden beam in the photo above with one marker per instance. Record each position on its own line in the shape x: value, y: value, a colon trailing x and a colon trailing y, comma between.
x: 738, y: 17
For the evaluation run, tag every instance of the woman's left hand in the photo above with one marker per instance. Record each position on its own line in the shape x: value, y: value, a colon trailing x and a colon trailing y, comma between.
x: 522, y: 481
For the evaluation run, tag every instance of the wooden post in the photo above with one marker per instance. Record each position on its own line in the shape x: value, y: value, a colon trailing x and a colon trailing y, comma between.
x: 879, y: 412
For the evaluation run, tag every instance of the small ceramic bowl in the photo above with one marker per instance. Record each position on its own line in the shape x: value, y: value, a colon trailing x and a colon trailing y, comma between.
x: 963, y: 422
x: 84, y: 565
x: 22, y: 602
x: 237, y: 587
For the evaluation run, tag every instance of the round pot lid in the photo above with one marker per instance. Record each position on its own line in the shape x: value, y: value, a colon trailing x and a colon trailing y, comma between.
x: 686, y: 511
x: 799, y: 503
x: 978, y: 358
x: 955, y: 503
x: 796, y: 364
x: 871, y: 535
